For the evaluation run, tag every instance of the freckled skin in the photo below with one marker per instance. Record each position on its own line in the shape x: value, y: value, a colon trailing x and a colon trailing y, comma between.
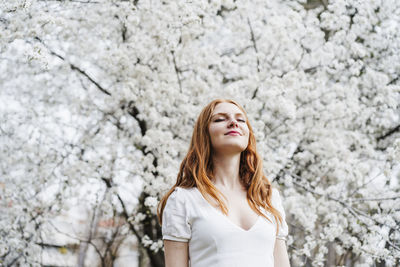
x: 220, y: 124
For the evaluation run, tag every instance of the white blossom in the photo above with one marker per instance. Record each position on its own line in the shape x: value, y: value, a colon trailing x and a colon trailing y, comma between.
x: 96, y: 96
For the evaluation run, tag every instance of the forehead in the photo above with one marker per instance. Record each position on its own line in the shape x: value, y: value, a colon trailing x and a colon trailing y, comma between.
x: 226, y: 108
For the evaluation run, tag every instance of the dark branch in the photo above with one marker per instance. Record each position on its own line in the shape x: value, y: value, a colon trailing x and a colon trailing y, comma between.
x: 134, y: 112
x: 124, y: 30
x: 74, y: 1
x: 177, y: 71
x: 74, y: 67
x: 390, y: 132
x: 107, y: 181
x: 126, y: 216
x: 253, y: 40
x: 393, y: 81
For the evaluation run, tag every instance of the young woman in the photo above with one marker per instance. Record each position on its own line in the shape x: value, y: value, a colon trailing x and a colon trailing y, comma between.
x: 222, y: 210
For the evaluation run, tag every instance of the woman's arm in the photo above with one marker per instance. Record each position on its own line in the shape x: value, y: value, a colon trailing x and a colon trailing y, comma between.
x: 176, y: 253
x: 281, y: 258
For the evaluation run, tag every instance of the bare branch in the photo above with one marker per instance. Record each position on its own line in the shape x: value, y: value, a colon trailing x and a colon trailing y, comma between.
x: 253, y: 40
x: 74, y: 1
x: 76, y: 68
x: 354, y: 211
x: 374, y: 199
x: 390, y: 132
x: 177, y: 71
x: 364, y: 184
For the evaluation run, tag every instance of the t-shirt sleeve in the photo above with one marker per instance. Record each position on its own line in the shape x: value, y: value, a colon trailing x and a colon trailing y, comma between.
x: 175, y: 224
x: 277, y: 204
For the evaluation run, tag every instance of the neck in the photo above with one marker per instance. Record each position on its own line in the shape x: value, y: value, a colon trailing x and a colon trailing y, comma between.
x: 226, y: 171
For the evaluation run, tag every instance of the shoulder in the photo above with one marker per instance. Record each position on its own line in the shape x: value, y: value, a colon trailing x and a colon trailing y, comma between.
x: 176, y: 216
x: 277, y: 204
x: 181, y: 195
x: 181, y: 202
x: 276, y: 198
x: 182, y: 192
x: 275, y: 193
x: 176, y: 202
x: 186, y: 190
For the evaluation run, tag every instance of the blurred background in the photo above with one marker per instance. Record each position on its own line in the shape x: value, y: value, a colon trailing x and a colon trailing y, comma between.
x: 98, y: 100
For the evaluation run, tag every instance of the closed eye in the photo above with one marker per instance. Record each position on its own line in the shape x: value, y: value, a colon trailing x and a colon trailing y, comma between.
x: 223, y: 119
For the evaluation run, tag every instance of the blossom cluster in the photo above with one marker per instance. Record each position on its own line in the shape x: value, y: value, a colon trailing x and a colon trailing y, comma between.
x: 99, y: 98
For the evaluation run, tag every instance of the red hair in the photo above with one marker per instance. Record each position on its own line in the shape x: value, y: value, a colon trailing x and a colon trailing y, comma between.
x: 196, y: 169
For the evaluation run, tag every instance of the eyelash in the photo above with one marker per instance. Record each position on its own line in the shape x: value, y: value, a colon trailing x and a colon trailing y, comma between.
x: 218, y: 120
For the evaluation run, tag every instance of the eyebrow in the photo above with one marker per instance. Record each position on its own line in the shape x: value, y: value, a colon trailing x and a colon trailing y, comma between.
x: 222, y: 113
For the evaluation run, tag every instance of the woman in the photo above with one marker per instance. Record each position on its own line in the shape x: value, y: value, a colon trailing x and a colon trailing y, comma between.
x: 222, y: 211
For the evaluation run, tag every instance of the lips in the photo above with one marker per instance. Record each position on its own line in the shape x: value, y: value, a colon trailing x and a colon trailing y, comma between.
x: 232, y: 133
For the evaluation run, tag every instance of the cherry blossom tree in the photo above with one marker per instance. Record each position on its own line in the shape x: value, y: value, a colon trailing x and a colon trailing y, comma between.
x: 98, y: 95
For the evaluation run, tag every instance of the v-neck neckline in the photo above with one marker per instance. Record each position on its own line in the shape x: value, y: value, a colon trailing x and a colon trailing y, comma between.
x: 226, y: 217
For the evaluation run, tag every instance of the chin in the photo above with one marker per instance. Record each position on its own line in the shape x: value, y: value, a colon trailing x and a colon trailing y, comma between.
x: 233, y: 148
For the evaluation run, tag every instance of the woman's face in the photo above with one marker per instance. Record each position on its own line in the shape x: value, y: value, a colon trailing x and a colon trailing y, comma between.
x: 228, y: 129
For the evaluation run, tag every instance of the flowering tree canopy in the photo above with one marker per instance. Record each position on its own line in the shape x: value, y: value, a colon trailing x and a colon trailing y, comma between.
x: 97, y: 94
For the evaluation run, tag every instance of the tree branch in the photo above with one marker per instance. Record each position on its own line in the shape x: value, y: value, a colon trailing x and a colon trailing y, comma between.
x: 76, y: 68
x: 134, y: 112
x: 177, y: 71
x: 390, y: 132
x: 354, y: 211
x: 253, y: 40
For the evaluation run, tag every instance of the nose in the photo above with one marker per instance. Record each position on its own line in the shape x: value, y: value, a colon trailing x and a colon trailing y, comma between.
x: 233, y: 123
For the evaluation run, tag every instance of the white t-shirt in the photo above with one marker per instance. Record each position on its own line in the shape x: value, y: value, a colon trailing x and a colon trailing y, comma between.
x: 214, y: 240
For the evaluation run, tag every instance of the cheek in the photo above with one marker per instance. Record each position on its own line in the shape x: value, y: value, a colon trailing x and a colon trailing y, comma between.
x: 246, y: 129
x: 215, y: 130
x: 212, y: 131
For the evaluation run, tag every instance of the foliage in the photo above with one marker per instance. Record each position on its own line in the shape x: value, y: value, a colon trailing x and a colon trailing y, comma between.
x: 95, y: 94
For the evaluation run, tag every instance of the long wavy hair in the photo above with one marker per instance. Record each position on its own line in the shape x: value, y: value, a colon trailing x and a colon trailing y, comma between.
x: 196, y: 169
